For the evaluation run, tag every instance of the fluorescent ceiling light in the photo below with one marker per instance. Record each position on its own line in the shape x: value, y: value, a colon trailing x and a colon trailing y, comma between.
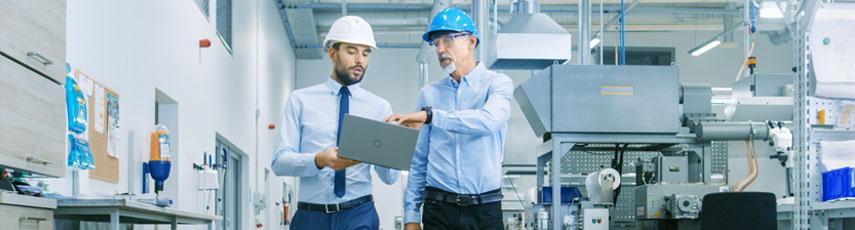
x: 768, y: 9
x: 594, y: 42
x: 703, y: 49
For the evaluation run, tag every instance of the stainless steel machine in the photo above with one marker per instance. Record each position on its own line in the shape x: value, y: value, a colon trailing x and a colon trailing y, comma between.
x: 661, y: 138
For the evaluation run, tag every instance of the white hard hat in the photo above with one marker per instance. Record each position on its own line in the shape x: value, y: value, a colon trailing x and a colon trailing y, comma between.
x: 350, y: 29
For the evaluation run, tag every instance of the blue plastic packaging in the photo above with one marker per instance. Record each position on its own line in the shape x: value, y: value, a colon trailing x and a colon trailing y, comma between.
x: 567, y: 194
x: 838, y: 183
x: 76, y: 106
x: 80, y: 155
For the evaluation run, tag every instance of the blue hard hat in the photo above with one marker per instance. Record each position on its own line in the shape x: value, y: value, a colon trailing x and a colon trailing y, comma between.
x: 451, y: 19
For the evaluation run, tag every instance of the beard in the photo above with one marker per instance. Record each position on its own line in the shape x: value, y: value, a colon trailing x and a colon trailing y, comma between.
x: 448, y: 68
x: 347, y: 78
x: 344, y: 75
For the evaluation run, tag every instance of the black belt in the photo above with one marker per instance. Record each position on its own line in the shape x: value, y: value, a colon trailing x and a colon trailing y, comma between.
x: 463, y: 199
x: 333, y: 208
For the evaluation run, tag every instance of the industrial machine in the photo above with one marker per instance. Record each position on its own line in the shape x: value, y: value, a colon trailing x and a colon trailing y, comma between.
x: 666, y: 147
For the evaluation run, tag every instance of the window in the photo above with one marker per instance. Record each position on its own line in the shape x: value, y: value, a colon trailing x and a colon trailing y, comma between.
x: 203, y: 6
x: 640, y: 56
x: 224, y: 22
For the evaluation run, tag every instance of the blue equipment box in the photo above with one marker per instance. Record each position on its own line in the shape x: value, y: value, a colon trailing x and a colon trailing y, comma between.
x: 567, y: 194
x: 838, y: 183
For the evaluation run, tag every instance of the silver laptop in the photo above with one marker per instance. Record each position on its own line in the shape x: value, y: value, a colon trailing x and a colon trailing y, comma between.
x: 377, y: 143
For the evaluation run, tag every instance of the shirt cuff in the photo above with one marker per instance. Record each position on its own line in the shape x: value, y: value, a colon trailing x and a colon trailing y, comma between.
x: 309, y: 161
x: 438, y: 118
x: 412, y: 217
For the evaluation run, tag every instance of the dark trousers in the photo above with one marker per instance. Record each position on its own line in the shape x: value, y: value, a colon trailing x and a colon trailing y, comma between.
x: 444, y: 215
x: 362, y: 217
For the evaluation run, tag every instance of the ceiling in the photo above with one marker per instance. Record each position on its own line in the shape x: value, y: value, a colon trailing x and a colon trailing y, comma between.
x: 400, y: 23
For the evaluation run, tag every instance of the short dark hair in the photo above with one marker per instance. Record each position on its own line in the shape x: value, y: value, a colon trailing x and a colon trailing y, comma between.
x: 336, y: 45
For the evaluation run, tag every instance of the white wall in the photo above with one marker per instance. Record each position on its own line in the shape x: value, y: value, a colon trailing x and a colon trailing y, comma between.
x: 393, y: 75
x: 134, y: 47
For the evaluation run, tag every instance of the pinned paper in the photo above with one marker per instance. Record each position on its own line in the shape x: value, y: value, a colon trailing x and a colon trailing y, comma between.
x: 112, y: 125
x: 86, y: 85
x: 100, y: 109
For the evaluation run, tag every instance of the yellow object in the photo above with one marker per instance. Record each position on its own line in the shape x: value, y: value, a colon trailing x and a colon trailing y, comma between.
x: 616, y: 90
x: 821, y: 117
x: 656, y: 214
x: 752, y: 61
x: 159, y: 144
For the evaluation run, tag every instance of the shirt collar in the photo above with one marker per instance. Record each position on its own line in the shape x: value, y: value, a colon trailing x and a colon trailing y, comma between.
x: 334, y: 87
x: 472, y: 76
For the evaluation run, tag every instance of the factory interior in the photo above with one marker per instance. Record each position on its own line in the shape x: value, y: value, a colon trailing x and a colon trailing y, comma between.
x: 262, y: 114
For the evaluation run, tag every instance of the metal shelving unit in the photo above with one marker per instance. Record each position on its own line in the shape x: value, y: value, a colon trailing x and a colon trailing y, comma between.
x: 808, y: 210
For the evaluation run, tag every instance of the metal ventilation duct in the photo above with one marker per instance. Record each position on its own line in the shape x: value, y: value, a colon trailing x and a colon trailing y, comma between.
x: 529, y: 40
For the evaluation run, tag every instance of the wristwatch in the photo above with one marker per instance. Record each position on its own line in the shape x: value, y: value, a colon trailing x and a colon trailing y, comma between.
x: 427, y: 110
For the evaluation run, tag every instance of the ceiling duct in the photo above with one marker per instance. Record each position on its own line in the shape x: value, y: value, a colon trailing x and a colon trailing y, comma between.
x: 529, y: 40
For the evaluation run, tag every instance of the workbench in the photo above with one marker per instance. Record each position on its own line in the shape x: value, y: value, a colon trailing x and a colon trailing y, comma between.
x: 127, y: 211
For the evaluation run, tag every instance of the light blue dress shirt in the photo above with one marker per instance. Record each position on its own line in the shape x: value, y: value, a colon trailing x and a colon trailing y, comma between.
x: 460, y: 151
x: 309, y: 125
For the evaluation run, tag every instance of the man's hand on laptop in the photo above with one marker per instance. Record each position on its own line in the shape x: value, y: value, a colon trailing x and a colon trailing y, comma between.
x: 329, y: 158
x: 413, y: 120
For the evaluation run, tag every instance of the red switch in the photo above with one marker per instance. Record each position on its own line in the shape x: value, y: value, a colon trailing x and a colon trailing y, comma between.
x: 204, y: 43
x: 271, y: 126
x: 599, y: 221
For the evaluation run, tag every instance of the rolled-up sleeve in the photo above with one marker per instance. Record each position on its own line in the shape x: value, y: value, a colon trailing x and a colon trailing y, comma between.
x: 287, y: 160
x: 481, y: 121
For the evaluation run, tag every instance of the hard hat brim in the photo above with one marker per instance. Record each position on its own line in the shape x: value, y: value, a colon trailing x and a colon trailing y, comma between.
x: 333, y: 42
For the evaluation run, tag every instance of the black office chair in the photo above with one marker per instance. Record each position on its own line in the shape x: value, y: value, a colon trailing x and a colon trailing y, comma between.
x: 739, y: 210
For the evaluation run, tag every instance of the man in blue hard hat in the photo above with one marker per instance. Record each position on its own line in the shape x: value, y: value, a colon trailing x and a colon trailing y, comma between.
x: 456, y: 171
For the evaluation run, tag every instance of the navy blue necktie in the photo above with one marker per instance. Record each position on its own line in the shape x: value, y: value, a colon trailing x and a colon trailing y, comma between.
x: 343, y: 109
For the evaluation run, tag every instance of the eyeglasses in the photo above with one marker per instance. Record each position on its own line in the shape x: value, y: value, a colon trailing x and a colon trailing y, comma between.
x: 446, y: 40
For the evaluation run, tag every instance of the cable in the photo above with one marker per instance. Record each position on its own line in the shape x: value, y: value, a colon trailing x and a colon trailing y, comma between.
x: 619, y: 169
x: 517, y: 194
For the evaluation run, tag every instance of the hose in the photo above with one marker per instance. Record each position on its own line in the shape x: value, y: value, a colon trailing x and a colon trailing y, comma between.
x: 745, y: 63
x: 752, y: 166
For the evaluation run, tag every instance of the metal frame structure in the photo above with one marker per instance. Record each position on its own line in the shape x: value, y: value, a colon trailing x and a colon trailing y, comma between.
x: 563, y: 143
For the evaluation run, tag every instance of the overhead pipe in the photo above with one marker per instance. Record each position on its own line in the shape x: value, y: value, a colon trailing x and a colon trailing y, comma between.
x: 285, y: 21
x: 550, y: 8
x: 617, y: 17
x: 584, y: 20
x: 425, y: 49
x: 602, y: 28
x: 479, y: 14
x: 524, y: 7
x: 379, y: 18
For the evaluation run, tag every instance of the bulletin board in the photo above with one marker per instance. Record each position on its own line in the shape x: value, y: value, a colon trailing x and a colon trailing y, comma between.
x: 106, y: 166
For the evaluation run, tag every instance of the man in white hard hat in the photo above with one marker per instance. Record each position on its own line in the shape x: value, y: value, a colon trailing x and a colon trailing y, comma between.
x: 335, y: 193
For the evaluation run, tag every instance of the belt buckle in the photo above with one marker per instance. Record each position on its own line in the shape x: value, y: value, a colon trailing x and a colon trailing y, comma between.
x: 464, y: 200
x: 328, y: 211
